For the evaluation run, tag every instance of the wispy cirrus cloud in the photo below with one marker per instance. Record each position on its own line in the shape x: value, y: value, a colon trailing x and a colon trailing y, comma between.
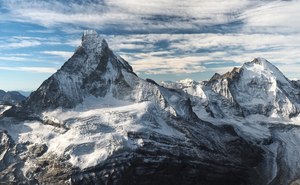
x: 48, y: 70
x: 128, y: 14
x: 62, y: 54
x: 160, y: 65
x: 16, y: 42
x: 13, y: 58
x: 157, y: 15
x: 276, y: 17
x: 20, y: 44
x: 187, y: 53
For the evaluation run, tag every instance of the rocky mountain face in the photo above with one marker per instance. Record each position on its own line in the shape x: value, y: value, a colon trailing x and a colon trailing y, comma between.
x: 257, y: 87
x: 93, y: 70
x: 11, y: 97
x: 96, y: 122
x: 261, y: 104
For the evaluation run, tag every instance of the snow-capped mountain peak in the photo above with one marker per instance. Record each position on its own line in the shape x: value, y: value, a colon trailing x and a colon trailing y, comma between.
x: 92, y: 42
x: 260, y: 67
x: 262, y: 82
x: 258, y: 87
x: 261, y: 88
x: 94, y: 69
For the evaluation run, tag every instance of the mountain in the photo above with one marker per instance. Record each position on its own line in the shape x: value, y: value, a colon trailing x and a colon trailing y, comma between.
x: 263, y: 107
x: 11, y: 97
x: 95, y: 121
x: 25, y: 93
x: 258, y: 87
x: 92, y: 70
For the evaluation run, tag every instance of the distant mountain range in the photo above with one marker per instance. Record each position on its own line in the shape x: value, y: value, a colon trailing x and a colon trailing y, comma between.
x: 11, y: 97
x: 25, y: 93
x: 257, y: 87
x: 95, y: 121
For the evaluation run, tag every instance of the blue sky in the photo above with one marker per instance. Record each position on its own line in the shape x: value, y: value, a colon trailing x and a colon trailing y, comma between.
x: 161, y: 39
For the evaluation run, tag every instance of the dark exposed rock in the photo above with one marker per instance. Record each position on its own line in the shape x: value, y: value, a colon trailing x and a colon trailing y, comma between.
x: 38, y: 150
x: 178, y: 163
x: 151, y: 81
x: 10, y: 162
x: 93, y: 69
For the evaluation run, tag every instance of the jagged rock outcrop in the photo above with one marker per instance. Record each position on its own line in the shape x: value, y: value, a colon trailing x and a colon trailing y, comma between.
x: 11, y: 162
x: 93, y: 70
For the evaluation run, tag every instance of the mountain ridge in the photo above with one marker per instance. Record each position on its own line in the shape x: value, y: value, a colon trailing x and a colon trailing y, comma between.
x: 258, y: 87
x: 11, y: 97
x: 96, y: 121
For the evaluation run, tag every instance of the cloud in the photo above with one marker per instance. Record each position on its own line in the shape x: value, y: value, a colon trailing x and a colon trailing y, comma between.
x: 48, y: 70
x: 127, y: 15
x: 187, y: 53
x: 74, y: 42
x: 20, y: 44
x: 62, y: 54
x: 16, y: 42
x: 13, y: 58
x: 278, y: 16
x: 158, y: 16
x: 159, y: 65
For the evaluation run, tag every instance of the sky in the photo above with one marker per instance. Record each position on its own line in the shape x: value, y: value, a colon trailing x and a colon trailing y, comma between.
x: 161, y: 39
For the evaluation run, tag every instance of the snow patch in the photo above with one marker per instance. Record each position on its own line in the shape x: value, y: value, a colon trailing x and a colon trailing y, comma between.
x: 4, y: 108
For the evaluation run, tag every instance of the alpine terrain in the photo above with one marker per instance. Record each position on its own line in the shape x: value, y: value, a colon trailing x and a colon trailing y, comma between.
x: 11, y: 97
x: 7, y: 99
x: 95, y: 121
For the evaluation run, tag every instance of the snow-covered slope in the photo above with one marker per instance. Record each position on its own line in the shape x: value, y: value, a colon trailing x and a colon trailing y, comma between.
x: 95, y: 122
x: 4, y: 108
x: 258, y: 87
x: 93, y: 70
x: 262, y: 105
x: 261, y: 88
